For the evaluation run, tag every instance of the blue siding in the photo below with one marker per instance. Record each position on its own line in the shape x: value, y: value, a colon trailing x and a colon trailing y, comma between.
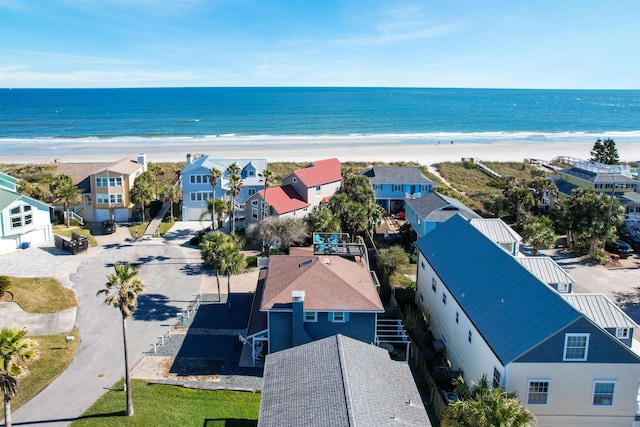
x: 360, y: 326
x: 603, y: 347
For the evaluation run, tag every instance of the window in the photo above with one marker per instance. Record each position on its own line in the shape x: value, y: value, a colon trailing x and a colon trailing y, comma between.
x: 254, y: 213
x: 397, y: 187
x: 318, y: 190
x: 603, y: 392
x: 457, y: 317
x: 444, y: 298
x: 310, y: 316
x: 563, y: 287
x: 434, y: 284
x: 538, y: 392
x: 425, y: 188
x: 115, y: 182
x: 252, y: 173
x: 21, y: 216
x: 338, y: 316
x: 102, y: 198
x: 377, y: 186
x: 101, y: 182
x: 470, y: 334
x: 251, y: 191
x: 496, y: 377
x: 421, y: 297
x: 575, y: 346
x: 192, y: 179
x: 622, y: 333
x: 422, y: 265
x: 115, y: 198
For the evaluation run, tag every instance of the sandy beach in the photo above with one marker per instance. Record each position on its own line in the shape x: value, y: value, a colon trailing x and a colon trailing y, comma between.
x: 301, y: 150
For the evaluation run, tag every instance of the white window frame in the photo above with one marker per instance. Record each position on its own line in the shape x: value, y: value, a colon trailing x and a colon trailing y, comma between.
x: 497, y: 377
x: 102, y: 198
x: 397, y: 188
x: 339, y: 317
x: 622, y: 333
x: 310, y: 316
x: 318, y: 190
x: 21, y: 216
x: 546, y: 393
x: 434, y: 284
x: 568, y: 337
x: 613, y: 393
x: 116, y: 198
x: 254, y: 213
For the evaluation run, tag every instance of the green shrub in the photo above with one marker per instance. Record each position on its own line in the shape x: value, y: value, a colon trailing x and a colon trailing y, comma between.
x: 252, y: 261
x: 5, y: 282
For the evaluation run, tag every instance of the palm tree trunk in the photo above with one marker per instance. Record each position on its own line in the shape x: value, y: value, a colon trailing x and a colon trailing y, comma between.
x: 127, y: 380
x: 218, y: 281
x: 229, y: 290
x: 213, y: 210
x: 7, y: 411
x: 233, y: 215
x: 66, y: 210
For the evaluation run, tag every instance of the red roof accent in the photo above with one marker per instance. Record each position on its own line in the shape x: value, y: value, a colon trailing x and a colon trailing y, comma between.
x: 284, y: 199
x: 320, y: 172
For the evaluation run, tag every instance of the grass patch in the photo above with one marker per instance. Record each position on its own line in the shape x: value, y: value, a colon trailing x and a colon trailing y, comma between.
x: 165, y: 226
x: 137, y: 230
x: 54, y: 358
x: 159, y: 404
x: 64, y: 231
x: 41, y: 295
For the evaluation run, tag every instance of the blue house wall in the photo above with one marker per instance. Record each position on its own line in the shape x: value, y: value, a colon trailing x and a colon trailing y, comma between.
x: 360, y: 326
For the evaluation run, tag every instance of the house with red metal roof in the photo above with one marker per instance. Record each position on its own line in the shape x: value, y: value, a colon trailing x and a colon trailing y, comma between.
x: 300, y: 191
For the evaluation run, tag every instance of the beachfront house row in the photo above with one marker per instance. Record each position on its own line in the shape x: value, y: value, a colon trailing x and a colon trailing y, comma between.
x: 603, y: 179
x: 24, y: 220
x: 110, y: 189
x: 348, y: 381
x: 307, y: 296
x: 298, y: 193
x: 393, y: 185
x: 498, y: 319
x: 426, y: 212
x: 197, y: 188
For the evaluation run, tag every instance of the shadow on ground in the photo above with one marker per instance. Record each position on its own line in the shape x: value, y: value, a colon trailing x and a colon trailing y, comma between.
x: 155, y: 307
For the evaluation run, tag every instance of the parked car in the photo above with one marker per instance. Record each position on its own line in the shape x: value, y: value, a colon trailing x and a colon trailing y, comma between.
x: 633, y: 241
x: 619, y: 247
x: 108, y: 226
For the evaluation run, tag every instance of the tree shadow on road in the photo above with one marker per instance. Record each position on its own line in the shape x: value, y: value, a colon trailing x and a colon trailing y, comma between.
x: 155, y: 307
x: 629, y: 302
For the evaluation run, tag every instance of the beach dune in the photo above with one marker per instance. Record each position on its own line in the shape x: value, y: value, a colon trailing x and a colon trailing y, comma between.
x: 300, y: 150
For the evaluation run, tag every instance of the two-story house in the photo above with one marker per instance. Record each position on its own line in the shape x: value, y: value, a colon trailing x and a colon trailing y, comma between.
x: 197, y: 188
x: 308, y: 295
x: 110, y: 188
x: 300, y: 191
x: 426, y: 212
x: 498, y: 319
x: 348, y: 381
x: 23, y: 220
x: 393, y: 185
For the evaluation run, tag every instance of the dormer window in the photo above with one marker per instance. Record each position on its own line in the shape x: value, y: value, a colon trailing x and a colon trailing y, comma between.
x: 622, y: 333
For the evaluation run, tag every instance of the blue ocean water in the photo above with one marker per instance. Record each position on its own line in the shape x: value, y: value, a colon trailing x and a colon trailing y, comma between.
x: 464, y: 115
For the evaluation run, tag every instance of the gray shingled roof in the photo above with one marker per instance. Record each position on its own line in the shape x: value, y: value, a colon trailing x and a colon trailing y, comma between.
x: 396, y: 175
x: 433, y: 207
x: 338, y: 381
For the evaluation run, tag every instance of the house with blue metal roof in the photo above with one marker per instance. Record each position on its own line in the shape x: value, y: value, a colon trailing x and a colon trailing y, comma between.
x: 498, y: 319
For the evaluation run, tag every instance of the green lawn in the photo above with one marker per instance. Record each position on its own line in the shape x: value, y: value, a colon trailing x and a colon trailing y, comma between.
x: 166, y: 405
x: 41, y: 295
x: 137, y: 230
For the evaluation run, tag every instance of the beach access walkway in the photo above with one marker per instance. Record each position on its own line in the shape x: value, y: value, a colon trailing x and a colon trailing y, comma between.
x: 154, y: 225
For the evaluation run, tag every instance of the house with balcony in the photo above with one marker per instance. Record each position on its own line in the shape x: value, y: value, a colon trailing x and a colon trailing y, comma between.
x: 497, y: 319
x: 299, y: 192
x: 426, y: 212
x: 23, y: 220
x: 110, y: 188
x: 313, y: 294
x: 349, y: 382
x: 395, y: 185
x: 197, y: 189
x: 603, y: 179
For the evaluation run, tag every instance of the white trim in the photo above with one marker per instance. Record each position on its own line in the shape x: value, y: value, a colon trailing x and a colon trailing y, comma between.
x: 622, y: 333
x: 586, y: 347
x: 613, y: 395
x: 315, y: 316
x: 538, y: 380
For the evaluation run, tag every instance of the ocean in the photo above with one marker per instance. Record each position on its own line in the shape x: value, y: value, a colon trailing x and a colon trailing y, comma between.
x: 37, y: 119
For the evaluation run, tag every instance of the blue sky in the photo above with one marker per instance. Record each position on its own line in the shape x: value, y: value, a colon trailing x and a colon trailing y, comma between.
x: 588, y: 44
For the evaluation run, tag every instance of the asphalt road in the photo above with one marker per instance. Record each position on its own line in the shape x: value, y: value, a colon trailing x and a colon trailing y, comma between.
x: 170, y: 271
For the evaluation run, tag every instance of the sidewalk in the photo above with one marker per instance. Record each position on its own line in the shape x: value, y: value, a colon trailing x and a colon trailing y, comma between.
x: 154, y: 225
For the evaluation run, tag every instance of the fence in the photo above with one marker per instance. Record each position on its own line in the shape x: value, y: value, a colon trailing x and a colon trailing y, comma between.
x: 184, y: 320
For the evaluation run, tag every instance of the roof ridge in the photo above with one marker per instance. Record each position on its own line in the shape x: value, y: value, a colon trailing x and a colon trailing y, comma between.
x: 346, y: 387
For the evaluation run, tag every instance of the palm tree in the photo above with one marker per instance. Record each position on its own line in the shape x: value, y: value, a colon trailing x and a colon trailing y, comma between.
x: 15, y: 350
x: 171, y: 193
x: 222, y: 251
x: 121, y: 291
x: 235, y: 186
x: 67, y: 194
x: 215, y: 178
x: 222, y: 208
x: 539, y: 232
x: 155, y: 170
x: 141, y: 193
x: 268, y: 179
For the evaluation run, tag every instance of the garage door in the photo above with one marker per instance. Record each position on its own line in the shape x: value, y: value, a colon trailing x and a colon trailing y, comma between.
x: 121, y: 215
x: 102, y: 214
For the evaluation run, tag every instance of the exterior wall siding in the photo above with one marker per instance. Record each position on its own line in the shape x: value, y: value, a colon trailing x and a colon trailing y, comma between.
x: 570, y: 399
x: 474, y: 358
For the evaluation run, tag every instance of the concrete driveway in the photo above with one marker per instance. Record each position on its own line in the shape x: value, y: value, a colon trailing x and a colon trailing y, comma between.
x: 171, y: 272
